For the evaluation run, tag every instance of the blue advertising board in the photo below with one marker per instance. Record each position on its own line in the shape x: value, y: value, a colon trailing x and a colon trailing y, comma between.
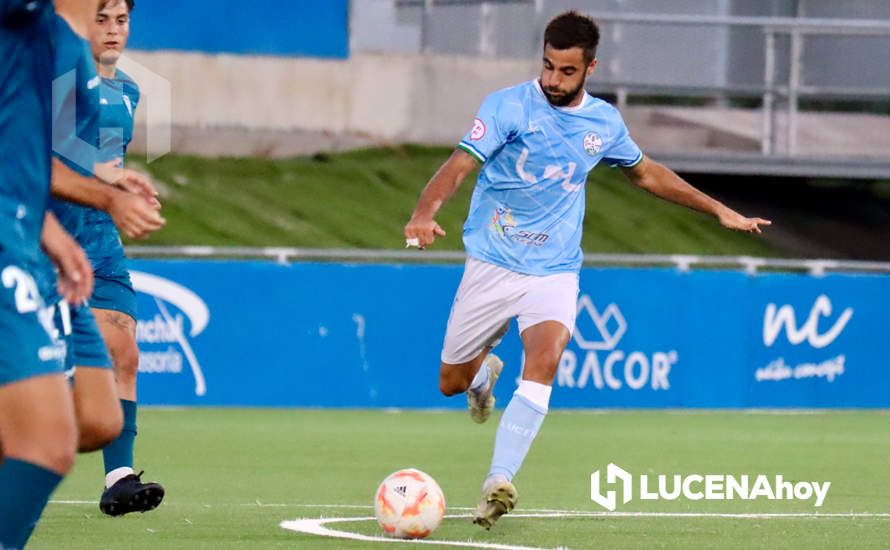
x: 314, y: 28
x: 247, y: 333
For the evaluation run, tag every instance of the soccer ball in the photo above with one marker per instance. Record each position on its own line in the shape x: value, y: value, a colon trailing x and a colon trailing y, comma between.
x: 409, y: 504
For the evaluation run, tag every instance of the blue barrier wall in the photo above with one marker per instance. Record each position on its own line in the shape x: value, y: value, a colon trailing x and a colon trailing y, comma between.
x: 315, y: 28
x: 329, y: 335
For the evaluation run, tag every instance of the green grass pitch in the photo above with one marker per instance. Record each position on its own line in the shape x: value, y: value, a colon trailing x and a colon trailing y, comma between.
x: 232, y: 475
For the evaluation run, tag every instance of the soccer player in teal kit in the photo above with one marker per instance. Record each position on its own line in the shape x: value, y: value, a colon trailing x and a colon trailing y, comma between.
x: 78, y: 100
x: 37, y: 430
x: 80, y: 110
x: 537, y: 142
x: 114, y: 300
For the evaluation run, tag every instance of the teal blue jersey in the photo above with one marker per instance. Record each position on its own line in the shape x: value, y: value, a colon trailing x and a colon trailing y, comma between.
x: 75, y: 115
x: 119, y: 97
x: 75, y: 101
x: 26, y: 71
x: 117, y: 109
x: 26, y: 80
x: 527, y: 210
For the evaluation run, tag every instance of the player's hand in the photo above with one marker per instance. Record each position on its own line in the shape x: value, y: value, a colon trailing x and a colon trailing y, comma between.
x: 135, y: 215
x: 75, y: 282
x: 733, y: 220
x: 129, y: 180
x: 425, y: 231
x: 139, y: 184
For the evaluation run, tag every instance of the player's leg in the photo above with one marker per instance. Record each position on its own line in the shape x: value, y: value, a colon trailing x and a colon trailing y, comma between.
x: 119, y: 332
x: 39, y: 437
x: 96, y: 406
x: 479, y: 319
x: 114, y: 305
x: 37, y: 431
x: 546, y: 318
x: 472, y: 374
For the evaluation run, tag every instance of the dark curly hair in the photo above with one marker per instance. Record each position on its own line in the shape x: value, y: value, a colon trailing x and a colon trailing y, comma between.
x: 573, y: 30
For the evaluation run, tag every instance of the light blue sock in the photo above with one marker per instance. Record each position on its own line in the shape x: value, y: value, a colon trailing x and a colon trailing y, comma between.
x: 24, y: 490
x: 481, y: 377
x: 519, y: 425
x: 119, y: 453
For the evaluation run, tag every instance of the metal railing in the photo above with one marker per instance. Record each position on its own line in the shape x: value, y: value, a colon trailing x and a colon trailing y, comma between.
x: 770, y: 91
x: 796, y: 29
x: 683, y: 262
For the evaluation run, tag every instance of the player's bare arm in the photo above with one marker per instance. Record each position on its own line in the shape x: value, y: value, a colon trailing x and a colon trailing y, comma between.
x: 664, y: 183
x: 441, y: 187
x: 133, y: 214
x: 75, y: 272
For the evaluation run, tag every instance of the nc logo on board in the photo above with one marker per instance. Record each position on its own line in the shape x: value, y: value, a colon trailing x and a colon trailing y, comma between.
x: 784, y: 318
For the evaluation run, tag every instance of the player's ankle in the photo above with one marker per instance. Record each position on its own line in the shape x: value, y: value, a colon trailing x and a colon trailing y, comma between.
x: 117, y: 474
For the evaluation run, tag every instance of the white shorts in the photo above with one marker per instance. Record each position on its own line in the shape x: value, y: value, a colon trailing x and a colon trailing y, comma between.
x: 489, y: 296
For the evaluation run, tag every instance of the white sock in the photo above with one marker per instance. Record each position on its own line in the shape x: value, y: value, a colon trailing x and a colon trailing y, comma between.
x: 538, y: 394
x: 519, y: 425
x: 481, y: 377
x: 116, y: 475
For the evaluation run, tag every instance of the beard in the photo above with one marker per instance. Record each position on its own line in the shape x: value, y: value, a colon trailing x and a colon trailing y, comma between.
x: 562, y: 98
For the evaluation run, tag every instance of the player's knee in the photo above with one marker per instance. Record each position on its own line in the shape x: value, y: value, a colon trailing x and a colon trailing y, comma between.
x: 541, y: 365
x: 451, y: 381
x: 126, y: 361
x: 57, y: 452
x: 98, y: 430
x: 447, y: 388
x: 61, y: 460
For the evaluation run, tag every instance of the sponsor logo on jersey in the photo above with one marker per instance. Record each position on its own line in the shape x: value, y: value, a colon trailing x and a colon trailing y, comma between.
x: 503, y: 223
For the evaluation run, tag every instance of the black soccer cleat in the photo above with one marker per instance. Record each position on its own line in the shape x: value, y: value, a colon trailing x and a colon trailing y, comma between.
x: 129, y: 494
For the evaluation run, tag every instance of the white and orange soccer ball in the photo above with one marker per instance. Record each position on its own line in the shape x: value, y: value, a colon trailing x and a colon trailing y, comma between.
x: 409, y: 504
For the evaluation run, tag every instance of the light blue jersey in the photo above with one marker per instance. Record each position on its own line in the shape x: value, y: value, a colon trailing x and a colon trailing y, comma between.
x: 527, y: 210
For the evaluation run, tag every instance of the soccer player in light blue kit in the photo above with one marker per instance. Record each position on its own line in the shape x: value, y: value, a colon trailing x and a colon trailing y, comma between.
x: 37, y: 430
x: 536, y: 142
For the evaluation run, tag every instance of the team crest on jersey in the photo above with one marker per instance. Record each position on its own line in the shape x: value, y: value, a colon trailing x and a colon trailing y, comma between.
x: 478, y: 131
x: 593, y: 144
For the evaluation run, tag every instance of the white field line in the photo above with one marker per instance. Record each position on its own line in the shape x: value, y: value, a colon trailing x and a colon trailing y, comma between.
x: 541, y: 512
x: 318, y: 526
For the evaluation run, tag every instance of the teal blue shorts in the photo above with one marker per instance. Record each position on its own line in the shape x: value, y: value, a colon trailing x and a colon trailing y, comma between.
x: 113, y: 288
x: 27, y: 348
x: 76, y: 326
